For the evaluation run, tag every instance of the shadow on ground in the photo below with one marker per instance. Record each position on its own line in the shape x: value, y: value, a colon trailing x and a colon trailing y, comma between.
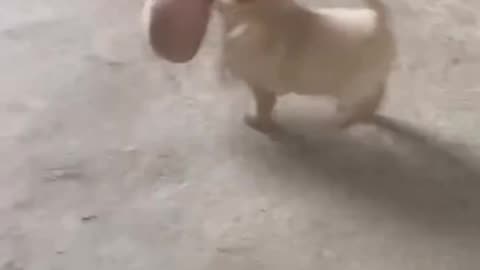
x: 416, y: 176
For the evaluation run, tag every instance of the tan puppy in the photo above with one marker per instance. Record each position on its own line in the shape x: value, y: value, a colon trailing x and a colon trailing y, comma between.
x: 279, y: 47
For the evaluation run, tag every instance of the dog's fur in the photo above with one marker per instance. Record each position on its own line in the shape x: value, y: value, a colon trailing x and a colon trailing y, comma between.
x: 279, y: 47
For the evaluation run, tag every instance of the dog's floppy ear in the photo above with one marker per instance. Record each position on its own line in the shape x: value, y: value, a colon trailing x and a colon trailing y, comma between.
x: 175, y: 29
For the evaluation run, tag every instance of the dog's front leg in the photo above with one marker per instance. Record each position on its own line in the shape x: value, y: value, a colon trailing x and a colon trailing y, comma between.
x: 262, y: 120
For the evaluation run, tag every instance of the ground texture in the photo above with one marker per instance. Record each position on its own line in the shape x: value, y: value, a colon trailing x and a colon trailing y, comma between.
x: 112, y: 159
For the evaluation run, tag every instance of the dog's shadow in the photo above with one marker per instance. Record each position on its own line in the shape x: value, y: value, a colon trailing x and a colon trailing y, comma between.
x: 415, y: 175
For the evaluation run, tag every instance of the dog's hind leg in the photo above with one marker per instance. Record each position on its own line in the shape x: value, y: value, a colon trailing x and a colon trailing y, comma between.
x: 262, y: 120
x: 360, y: 109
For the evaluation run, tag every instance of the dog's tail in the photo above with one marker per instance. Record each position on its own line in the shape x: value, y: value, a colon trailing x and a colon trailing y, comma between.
x: 380, y: 8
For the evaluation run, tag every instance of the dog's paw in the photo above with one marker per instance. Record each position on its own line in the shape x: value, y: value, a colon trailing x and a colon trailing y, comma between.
x: 342, y: 122
x: 339, y: 122
x: 261, y: 125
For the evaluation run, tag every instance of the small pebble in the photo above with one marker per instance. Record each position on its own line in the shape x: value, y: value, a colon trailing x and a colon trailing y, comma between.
x: 89, y: 218
x: 455, y: 61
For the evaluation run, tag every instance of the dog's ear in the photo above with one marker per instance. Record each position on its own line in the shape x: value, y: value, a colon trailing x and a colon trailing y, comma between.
x: 175, y: 29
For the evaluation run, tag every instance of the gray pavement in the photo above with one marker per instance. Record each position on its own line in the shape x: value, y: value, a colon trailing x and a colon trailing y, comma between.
x: 113, y: 159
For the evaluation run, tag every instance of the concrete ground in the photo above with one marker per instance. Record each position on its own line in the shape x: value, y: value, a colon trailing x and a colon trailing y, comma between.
x: 113, y: 159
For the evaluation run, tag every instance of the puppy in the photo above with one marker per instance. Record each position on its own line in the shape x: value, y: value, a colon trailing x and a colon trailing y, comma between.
x: 279, y: 47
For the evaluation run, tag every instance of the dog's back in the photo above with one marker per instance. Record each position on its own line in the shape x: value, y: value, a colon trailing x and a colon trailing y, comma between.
x: 347, y: 48
x: 310, y: 52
